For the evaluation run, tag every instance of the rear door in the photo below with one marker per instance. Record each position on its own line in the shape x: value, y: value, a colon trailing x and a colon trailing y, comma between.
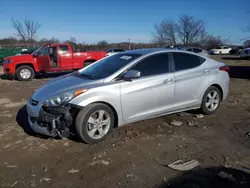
x: 152, y: 93
x: 65, y: 57
x: 190, y: 77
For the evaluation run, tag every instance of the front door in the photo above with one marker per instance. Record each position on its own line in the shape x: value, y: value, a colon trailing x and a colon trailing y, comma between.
x: 152, y: 93
x: 43, y: 59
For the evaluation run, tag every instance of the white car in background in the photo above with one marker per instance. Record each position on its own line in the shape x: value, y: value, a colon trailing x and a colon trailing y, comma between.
x: 114, y: 51
x: 245, y: 53
x: 221, y: 50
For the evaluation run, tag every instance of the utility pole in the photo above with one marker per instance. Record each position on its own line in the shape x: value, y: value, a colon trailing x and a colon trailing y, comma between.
x: 129, y: 44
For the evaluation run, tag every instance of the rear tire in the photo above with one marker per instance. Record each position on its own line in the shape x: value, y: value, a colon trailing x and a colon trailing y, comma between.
x: 25, y: 73
x: 87, y: 121
x: 220, y: 53
x: 211, y: 100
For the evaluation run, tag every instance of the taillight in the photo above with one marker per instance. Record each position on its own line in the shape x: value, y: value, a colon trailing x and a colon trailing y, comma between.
x: 224, y: 68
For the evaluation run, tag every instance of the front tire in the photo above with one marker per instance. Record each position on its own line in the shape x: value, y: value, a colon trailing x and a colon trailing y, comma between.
x: 211, y: 100
x: 94, y: 123
x: 25, y: 73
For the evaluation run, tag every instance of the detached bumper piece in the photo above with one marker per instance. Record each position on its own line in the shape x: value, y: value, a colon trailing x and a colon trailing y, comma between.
x: 57, y: 120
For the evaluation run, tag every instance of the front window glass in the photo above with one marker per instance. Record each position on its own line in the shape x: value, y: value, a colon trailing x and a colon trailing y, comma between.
x: 37, y: 50
x: 44, y: 51
x: 154, y: 65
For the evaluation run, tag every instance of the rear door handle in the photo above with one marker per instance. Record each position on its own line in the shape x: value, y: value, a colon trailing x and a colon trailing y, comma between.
x: 168, y: 81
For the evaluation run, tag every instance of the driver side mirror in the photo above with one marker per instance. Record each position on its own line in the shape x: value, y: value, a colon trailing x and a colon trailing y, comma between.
x: 132, y: 74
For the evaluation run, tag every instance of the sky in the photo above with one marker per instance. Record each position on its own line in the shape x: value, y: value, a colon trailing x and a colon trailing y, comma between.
x: 118, y: 20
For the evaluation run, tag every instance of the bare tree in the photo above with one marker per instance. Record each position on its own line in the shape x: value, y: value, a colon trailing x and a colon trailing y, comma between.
x: 189, y: 29
x: 18, y: 26
x: 213, y: 42
x: 48, y: 41
x: 72, y: 39
x: 159, y: 40
x: 165, y: 32
x: 26, y: 29
x: 102, y: 45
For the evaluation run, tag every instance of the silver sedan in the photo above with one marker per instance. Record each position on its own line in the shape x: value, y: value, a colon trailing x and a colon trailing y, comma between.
x: 125, y: 88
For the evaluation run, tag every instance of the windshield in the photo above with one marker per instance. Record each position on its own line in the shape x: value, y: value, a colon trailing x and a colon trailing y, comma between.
x: 218, y: 47
x: 108, y: 66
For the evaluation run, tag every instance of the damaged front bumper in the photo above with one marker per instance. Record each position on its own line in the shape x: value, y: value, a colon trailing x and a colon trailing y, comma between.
x: 51, y: 121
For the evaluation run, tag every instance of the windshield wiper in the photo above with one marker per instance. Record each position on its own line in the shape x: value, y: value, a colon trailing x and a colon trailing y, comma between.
x: 84, y: 75
x: 87, y: 76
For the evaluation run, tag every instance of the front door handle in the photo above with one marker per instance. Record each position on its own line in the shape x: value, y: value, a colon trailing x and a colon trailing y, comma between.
x: 168, y: 81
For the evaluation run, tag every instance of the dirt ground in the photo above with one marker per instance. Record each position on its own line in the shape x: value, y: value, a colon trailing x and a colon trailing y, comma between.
x: 135, y: 155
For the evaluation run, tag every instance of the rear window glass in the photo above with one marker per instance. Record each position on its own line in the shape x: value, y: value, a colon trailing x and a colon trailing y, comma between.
x: 185, y: 61
x: 197, y: 50
x: 119, y: 50
x: 64, y: 48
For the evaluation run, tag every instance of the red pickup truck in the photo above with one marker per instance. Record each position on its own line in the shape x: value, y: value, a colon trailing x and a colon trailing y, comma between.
x: 48, y: 59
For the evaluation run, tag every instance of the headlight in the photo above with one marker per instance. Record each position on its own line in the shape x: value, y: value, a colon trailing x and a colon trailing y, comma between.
x: 7, y: 61
x: 63, y: 98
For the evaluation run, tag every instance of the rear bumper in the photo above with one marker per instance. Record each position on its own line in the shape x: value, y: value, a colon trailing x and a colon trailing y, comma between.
x: 225, y: 86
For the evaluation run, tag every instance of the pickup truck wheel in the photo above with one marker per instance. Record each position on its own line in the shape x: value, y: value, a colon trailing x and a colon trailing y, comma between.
x: 25, y: 73
x: 94, y: 123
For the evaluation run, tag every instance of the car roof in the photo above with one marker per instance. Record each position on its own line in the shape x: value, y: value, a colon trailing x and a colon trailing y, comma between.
x: 193, y: 47
x: 115, y: 49
x: 152, y: 50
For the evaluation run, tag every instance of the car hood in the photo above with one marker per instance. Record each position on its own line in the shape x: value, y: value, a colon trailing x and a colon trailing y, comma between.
x: 26, y: 56
x: 64, y: 84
